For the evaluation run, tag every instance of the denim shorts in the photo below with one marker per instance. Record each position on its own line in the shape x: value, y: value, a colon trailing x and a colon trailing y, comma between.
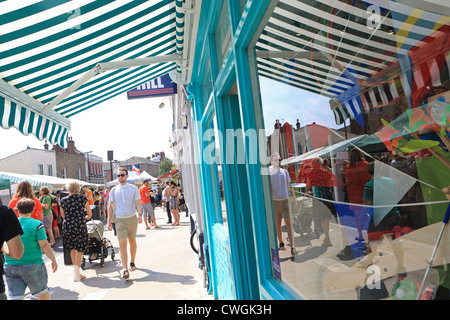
x: 19, y: 277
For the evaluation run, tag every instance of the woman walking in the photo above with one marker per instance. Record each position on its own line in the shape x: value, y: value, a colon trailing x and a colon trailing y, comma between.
x: 75, y: 210
x: 47, y: 221
x: 173, y: 202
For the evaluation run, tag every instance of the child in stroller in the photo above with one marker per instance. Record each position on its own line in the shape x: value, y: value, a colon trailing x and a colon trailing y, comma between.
x: 98, y: 246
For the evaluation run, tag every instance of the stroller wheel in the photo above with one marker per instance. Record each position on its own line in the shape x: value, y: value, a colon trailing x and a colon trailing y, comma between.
x: 104, y: 252
x: 83, y: 264
x: 102, y: 262
x: 113, y: 254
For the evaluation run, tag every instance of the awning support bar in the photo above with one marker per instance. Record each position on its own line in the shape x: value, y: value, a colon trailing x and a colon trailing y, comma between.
x: 106, y: 66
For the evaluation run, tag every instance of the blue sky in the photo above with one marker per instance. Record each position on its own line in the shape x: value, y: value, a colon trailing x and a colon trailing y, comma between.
x: 288, y: 104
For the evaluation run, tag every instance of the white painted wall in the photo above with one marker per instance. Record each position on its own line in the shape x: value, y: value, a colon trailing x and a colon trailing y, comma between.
x: 28, y: 161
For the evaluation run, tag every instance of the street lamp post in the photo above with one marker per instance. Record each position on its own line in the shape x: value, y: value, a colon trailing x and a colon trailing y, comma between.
x: 88, y: 165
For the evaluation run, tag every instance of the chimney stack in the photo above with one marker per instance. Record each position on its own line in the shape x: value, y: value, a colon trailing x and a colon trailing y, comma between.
x: 277, y: 124
x: 46, y: 145
x: 71, y: 146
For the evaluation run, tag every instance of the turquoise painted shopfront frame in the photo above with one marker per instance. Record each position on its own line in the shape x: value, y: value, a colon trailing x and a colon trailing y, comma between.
x: 225, y: 84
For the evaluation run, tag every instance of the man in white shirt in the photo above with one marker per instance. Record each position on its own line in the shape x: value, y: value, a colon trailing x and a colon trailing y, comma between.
x: 126, y: 199
x: 280, y: 186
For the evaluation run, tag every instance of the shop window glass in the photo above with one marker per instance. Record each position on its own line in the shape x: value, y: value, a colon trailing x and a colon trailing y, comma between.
x: 213, y: 158
x: 223, y: 206
x: 357, y: 123
x: 223, y: 34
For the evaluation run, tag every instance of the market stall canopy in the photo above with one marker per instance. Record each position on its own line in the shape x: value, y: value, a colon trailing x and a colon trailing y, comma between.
x: 355, y: 52
x: 132, y: 178
x: 326, y: 152
x: 4, y: 184
x: 58, y: 58
x: 38, y: 181
x: 147, y: 176
x: 168, y: 175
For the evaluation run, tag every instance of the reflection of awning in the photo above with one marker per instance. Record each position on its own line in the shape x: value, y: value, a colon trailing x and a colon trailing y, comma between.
x: 314, y: 45
x: 323, y: 151
x: 58, y: 58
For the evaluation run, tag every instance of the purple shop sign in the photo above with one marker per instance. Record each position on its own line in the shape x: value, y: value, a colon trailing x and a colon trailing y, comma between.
x: 276, y: 264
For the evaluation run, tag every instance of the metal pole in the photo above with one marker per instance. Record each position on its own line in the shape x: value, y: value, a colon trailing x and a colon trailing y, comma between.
x: 110, y: 166
x: 447, y: 214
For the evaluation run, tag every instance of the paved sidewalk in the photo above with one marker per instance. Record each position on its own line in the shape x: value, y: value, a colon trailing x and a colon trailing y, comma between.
x: 167, y: 269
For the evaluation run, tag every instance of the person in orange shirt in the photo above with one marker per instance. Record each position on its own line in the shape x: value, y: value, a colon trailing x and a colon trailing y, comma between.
x: 88, y: 194
x: 25, y: 190
x: 356, y: 176
x: 147, y: 207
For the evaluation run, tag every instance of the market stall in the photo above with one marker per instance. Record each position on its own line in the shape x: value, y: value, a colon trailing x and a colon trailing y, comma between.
x: 38, y: 181
x: 132, y: 178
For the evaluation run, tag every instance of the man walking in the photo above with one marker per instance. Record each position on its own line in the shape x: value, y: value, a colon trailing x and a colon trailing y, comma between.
x: 165, y: 197
x: 280, y: 186
x: 147, y: 206
x: 126, y: 200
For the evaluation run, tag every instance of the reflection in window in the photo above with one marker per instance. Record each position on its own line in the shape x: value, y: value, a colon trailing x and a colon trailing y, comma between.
x: 222, y: 215
x: 368, y: 157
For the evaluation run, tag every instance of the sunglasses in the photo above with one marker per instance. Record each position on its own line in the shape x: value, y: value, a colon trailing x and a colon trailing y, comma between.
x: 121, y: 175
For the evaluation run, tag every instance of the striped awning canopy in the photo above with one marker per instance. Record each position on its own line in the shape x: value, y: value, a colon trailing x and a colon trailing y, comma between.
x: 357, y: 53
x: 38, y: 181
x: 58, y: 58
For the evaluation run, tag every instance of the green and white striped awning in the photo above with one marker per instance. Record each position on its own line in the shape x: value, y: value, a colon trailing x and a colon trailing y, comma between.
x: 310, y: 44
x: 38, y: 181
x: 58, y: 58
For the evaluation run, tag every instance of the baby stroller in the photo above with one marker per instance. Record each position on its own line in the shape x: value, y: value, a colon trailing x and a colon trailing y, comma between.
x: 303, y: 218
x: 98, y: 246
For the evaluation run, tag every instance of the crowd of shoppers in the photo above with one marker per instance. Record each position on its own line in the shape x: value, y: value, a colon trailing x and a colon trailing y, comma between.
x: 31, y: 223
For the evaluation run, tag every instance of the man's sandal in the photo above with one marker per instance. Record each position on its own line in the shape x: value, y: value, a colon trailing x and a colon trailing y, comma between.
x: 132, y: 266
x: 282, y: 247
x: 126, y: 274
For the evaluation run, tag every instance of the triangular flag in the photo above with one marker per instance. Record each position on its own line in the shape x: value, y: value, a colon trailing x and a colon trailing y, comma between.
x: 389, y: 187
